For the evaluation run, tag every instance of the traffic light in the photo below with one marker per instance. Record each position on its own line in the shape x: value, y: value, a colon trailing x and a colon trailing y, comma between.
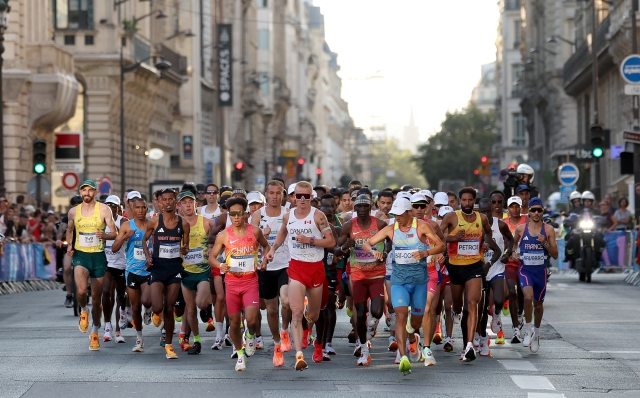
x: 599, y: 141
x: 300, y: 166
x: 476, y: 172
x: 484, y: 159
x: 239, y: 171
x: 39, y: 156
x: 318, y: 171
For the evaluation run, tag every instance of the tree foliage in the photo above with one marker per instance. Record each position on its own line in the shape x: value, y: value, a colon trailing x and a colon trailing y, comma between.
x: 455, y: 151
x: 392, y: 166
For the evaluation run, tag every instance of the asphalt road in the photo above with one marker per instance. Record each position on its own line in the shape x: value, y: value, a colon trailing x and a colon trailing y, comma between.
x: 590, y: 347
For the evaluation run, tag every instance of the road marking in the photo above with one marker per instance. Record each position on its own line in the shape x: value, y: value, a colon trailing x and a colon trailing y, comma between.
x: 562, y: 284
x: 533, y: 382
x: 505, y: 354
x: 518, y: 364
x: 544, y: 395
x: 597, y: 321
x: 615, y: 352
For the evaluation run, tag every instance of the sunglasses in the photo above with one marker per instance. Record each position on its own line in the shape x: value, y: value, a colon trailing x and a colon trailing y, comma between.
x: 305, y: 196
x: 213, y: 192
x: 419, y: 205
x: 496, y: 202
x: 536, y: 210
x: 236, y: 213
x: 200, y: 192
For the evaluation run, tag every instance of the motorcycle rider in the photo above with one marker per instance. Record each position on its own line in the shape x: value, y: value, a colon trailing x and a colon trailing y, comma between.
x: 572, y: 246
x: 588, y: 198
x: 575, y: 198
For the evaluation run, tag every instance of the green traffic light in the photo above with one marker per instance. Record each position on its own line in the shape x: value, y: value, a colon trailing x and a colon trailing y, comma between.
x: 38, y: 168
x: 597, y: 152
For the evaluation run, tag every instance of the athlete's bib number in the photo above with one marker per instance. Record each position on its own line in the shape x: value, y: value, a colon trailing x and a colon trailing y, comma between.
x: 195, y: 256
x: 404, y: 257
x: 329, y: 258
x: 242, y: 264
x: 488, y: 255
x: 111, y: 256
x: 138, y: 254
x: 363, y: 256
x: 169, y: 251
x: 533, y: 258
x: 468, y: 247
x: 89, y: 240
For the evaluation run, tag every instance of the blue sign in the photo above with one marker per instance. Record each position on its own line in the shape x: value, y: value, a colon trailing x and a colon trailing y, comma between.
x: 104, y: 187
x: 494, y: 170
x: 565, y: 191
x: 630, y: 69
x: 568, y: 174
x: 209, y: 172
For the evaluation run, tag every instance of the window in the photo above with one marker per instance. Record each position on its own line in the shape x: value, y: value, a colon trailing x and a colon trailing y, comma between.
x: 263, y: 39
x: 264, y: 85
x: 69, y: 40
x: 517, y: 83
x: 517, y: 31
x: 262, y: 3
x: 73, y: 14
x: 88, y: 40
x: 519, y: 130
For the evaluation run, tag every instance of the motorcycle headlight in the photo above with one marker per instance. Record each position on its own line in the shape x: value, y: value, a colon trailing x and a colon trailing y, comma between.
x: 586, y: 224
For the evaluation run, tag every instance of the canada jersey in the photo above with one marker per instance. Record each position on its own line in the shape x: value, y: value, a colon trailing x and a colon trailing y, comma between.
x: 307, y: 226
x: 532, y: 253
x: 363, y: 264
x: 512, y: 228
x: 466, y: 251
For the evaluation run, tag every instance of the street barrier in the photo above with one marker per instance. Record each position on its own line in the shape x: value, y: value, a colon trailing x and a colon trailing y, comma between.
x: 22, y: 262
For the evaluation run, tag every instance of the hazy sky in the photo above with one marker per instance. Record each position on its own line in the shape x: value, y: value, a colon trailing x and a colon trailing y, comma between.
x: 428, y: 51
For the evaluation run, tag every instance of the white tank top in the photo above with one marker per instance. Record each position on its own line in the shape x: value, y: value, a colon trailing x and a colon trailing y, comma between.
x: 281, y: 256
x: 498, y: 238
x: 210, y: 216
x: 118, y: 259
x: 307, y: 227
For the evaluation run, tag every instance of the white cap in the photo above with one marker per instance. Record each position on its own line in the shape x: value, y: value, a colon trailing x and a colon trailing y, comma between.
x: 426, y: 193
x: 400, y: 206
x: 444, y: 210
x: 51, y: 212
x: 113, y: 199
x: 254, y: 197
x: 514, y: 199
x: 418, y: 197
x: 292, y: 189
x: 314, y: 194
x: 133, y: 195
x: 30, y: 208
x: 403, y: 194
x: 441, y: 198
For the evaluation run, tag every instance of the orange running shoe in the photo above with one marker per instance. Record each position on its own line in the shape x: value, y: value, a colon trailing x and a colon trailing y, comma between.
x: 95, y: 342
x: 301, y: 364
x: 83, y: 323
x: 285, y: 340
x: 278, y: 358
x: 210, y: 326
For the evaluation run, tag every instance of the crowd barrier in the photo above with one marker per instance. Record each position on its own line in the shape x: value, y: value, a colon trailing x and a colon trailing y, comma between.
x: 23, y: 262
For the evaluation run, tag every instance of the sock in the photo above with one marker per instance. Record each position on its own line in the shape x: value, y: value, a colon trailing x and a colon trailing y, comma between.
x: 196, y: 339
x: 139, y: 334
x: 84, y: 309
x: 177, y: 318
x: 128, y: 309
x: 94, y: 329
x: 299, y: 353
x: 107, y: 324
x: 249, y: 336
x: 527, y: 326
x: 535, y: 330
x: 219, y: 330
x: 240, y: 352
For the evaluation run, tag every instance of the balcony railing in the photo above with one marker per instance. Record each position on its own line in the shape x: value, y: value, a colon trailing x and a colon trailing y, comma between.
x: 178, y: 62
x: 582, y: 58
x: 141, y: 49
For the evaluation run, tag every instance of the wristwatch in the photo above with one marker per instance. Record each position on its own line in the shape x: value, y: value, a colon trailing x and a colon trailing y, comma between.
x: 312, y: 240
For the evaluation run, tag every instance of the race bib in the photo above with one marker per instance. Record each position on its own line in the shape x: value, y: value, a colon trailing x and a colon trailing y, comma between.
x: 468, y: 247
x: 242, y: 264
x: 88, y: 239
x: 487, y: 255
x: 329, y: 258
x: 404, y: 257
x: 195, y: 256
x: 533, y: 258
x: 363, y: 256
x: 138, y: 254
x: 111, y: 256
x: 169, y: 251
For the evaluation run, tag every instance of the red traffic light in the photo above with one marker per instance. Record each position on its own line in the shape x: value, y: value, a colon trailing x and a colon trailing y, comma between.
x: 484, y: 159
x: 512, y: 167
x: 239, y: 166
x: 300, y: 161
x: 476, y: 172
x: 318, y: 171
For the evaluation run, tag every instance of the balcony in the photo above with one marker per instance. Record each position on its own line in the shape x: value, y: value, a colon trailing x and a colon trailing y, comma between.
x: 141, y: 49
x: 178, y: 69
x: 512, y: 5
x: 516, y: 92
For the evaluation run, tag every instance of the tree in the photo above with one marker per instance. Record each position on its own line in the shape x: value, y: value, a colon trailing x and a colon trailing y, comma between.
x: 392, y: 166
x: 455, y: 151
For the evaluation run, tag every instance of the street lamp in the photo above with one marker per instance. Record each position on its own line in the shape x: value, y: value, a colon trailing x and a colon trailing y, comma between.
x: 4, y: 10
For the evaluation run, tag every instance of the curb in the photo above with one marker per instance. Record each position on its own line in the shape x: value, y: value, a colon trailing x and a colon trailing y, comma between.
x: 28, y: 286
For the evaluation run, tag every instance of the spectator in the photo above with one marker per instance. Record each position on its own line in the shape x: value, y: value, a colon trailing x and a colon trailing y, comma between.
x: 10, y: 223
x: 622, y: 216
x: 609, y: 199
x: 4, y: 205
x: 20, y: 203
x: 35, y: 223
x: 22, y: 228
x: 607, y: 215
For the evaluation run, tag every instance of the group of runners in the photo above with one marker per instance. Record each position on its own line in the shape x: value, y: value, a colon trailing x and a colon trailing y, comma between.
x: 300, y: 252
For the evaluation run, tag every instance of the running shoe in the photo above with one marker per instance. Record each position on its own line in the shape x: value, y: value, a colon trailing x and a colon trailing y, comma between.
x: 437, y: 335
x: 516, y: 336
x: 107, y: 333
x: 496, y: 323
x: 339, y: 304
x: 397, y: 360
x: 139, y: 347
x: 352, y: 338
x: 317, y: 353
x: 484, y: 347
x: 358, y: 350
x: 405, y: 366
x: 217, y: 345
x: 456, y: 317
x: 469, y: 353
x: 195, y: 350
x: 372, y: 326
x: 448, y: 344
x: 68, y: 302
x: 210, y: 326
x: 122, y: 321
x: 526, y: 340
x: 505, y: 308
x: 227, y: 340
x: 520, y: 321
x: 147, y: 316
x: 157, y: 320
x: 305, y: 338
x: 393, y: 343
x: 414, y: 349
x: 241, y: 365
x: 476, y: 340
x: 326, y: 357
x: 120, y: 338
x: 329, y: 349
x: 129, y: 313
x: 349, y: 312
x: 249, y: 344
x: 83, y: 323
x: 285, y: 341
x: 500, y: 337
x: 94, y: 345
x: 278, y: 358
x: 234, y: 354
x: 301, y: 364
x: 163, y: 337
x: 535, y: 341
x: 429, y: 359
x: 365, y: 358
x: 259, y: 343
x: 184, y: 344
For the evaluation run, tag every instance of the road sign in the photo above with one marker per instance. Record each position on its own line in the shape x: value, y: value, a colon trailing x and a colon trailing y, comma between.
x: 211, y: 154
x: 105, y: 185
x: 486, y: 179
x: 494, y: 170
x: 258, y: 182
x: 630, y: 69
x: 632, y: 89
x: 45, y: 188
x: 70, y: 181
x: 631, y: 136
x: 568, y: 174
x: 68, y: 147
x: 68, y: 167
x: 565, y: 191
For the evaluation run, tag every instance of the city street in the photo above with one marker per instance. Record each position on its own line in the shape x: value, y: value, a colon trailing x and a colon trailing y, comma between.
x: 589, y: 348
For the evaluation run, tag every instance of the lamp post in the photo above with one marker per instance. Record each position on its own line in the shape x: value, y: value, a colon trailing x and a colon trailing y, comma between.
x: 4, y: 10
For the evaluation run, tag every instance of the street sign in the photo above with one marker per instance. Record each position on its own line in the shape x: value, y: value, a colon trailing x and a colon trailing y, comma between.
x: 258, y: 182
x: 565, y: 191
x: 630, y: 69
x: 486, y: 179
x: 70, y: 181
x: 632, y: 89
x: 211, y: 154
x: 615, y: 151
x: 68, y: 167
x: 105, y: 185
x: 631, y: 136
x: 45, y: 188
x: 494, y: 170
x: 568, y: 174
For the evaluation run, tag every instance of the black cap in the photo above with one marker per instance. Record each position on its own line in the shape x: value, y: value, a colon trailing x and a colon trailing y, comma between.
x: 201, y: 187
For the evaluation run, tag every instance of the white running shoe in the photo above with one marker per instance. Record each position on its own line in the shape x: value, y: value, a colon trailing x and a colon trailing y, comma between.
x: 429, y: 359
x: 249, y: 344
x: 120, y: 338
x: 234, y: 354
x: 398, y: 357
x: 329, y: 349
x: 496, y: 323
x: 107, y: 333
x: 415, y: 357
x: 535, y: 342
x: 516, y: 339
x: 365, y: 358
x: 357, y: 352
x: 259, y: 343
x: 456, y: 317
x: 147, y: 316
x: 217, y: 345
x: 520, y: 321
x: 139, y: 347
x: 469, y: 353
x: 241, y: 365
x: 122, y: 322
x: 526, y: 341
x: 484, y: 347
x: 476, y: 340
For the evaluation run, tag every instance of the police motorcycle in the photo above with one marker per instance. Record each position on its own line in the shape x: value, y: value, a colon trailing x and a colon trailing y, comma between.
x: 583, y: 230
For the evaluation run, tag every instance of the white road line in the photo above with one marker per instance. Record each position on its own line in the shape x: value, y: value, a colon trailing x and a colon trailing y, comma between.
x: 615, y: 352
x: 562, y: 284
x: 506, y: 354
x: 544, y: 395
x: 518, y: 364
x: 533, y: 382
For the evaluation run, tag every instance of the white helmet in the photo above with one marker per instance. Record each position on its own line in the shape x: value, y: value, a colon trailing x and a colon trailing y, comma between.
x: 574, y: 195
x: 526, y: 169
x: 588, y: 195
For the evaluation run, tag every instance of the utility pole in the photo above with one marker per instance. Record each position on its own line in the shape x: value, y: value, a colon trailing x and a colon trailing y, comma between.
x: 594, y: 51
x: 636, y: 123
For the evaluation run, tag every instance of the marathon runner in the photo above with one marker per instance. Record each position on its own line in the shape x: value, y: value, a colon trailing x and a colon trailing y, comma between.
x: 332, y: 259
x: 516, y: 299
x: 308, y: 233
x: 88, y: 220
x: 446, y: 303
x: 211, y: 209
